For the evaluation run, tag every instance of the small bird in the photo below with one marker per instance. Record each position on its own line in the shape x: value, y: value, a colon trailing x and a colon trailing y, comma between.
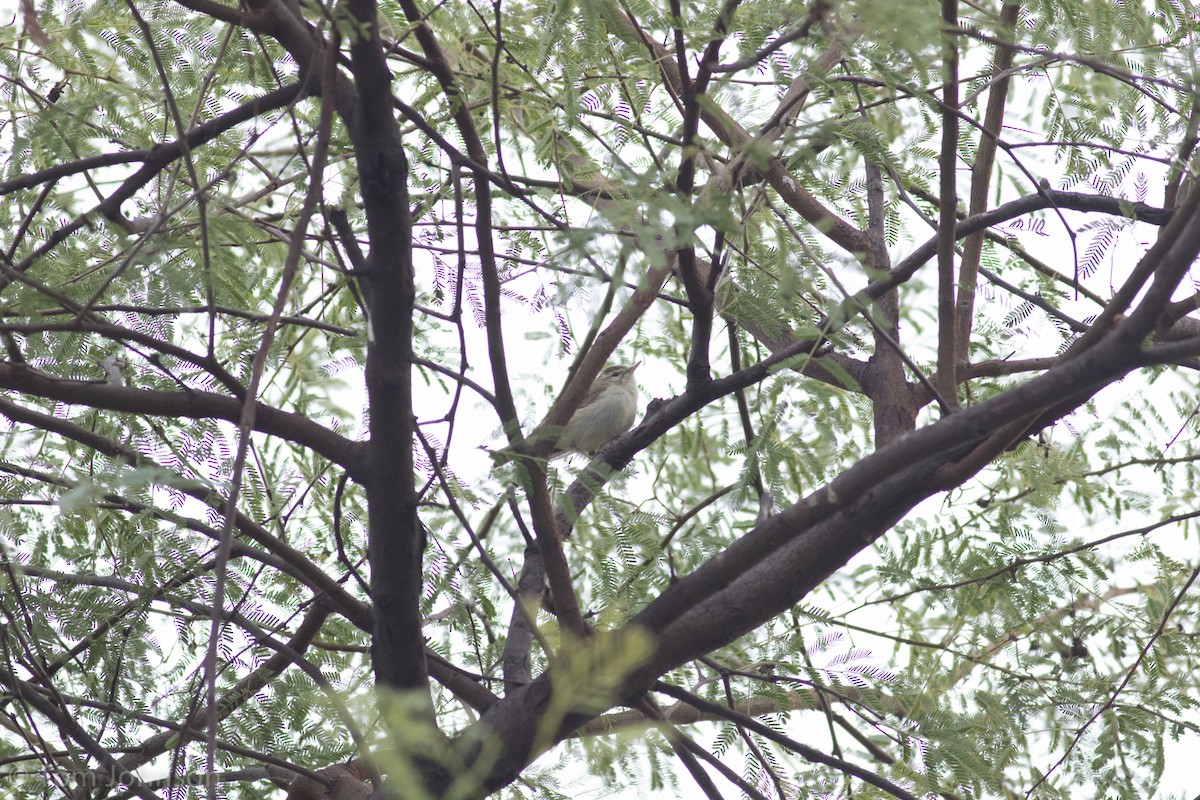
x: 606, y: 412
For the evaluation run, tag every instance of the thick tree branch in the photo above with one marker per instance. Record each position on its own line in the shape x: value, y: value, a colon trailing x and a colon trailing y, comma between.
x: 981, y: 174
x: 699, y: 293
x: 1049, y: 198
x: 948, y: 210
x: 191, y: 404
x: 396, y: 538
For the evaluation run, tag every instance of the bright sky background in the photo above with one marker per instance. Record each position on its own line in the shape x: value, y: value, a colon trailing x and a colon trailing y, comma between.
x: 541, y: 362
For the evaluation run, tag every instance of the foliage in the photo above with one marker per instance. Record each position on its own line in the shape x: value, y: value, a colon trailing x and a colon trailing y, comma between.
x: 910, y: 507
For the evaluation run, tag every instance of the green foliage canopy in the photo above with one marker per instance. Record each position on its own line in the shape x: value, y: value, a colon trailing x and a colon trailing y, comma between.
x: 910, y: 511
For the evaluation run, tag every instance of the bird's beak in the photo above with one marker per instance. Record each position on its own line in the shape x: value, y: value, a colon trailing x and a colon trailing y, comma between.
x: 636, y: 364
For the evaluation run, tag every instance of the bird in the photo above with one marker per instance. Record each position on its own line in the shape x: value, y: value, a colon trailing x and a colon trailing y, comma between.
x: 607, y: 411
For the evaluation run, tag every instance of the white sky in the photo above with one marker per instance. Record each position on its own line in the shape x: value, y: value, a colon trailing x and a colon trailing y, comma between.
x: 541, y: 362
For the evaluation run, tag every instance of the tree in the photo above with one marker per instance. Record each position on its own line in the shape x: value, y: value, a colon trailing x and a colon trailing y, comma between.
x: 910, y: 283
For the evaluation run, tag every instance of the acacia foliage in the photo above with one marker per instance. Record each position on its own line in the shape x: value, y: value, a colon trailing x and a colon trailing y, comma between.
x: 910, y: 512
